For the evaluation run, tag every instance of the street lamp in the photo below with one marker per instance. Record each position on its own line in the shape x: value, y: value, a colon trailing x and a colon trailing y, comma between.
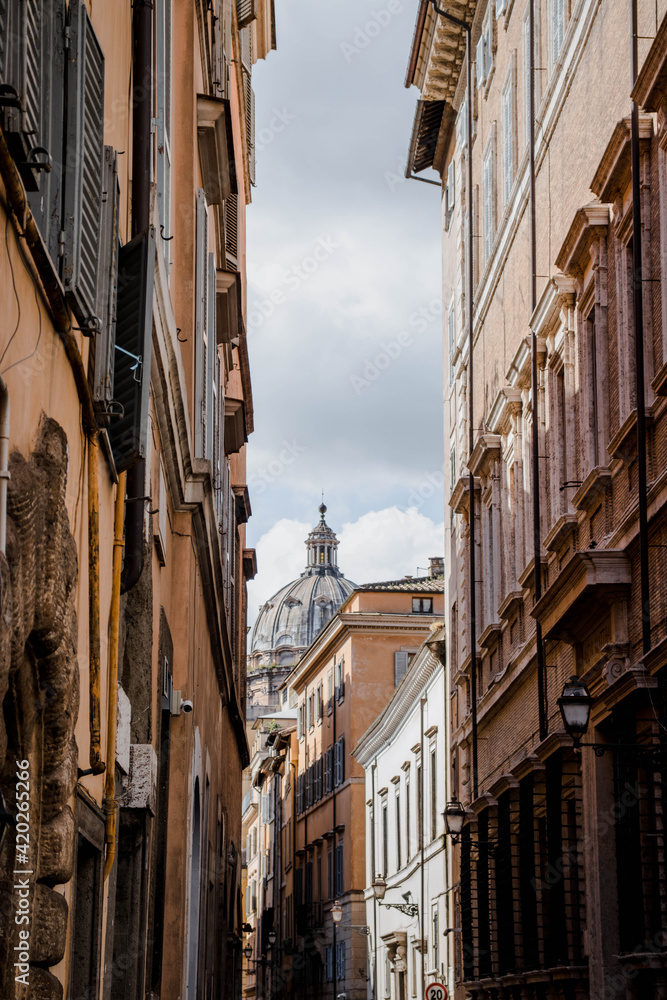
x: 247, y: 951
x: 336, y: 912
x: 379, y: 887
x: 454, y: 815
x: 575, y: 707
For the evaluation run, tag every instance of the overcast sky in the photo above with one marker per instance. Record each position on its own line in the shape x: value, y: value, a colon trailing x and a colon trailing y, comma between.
x: 344, y: 303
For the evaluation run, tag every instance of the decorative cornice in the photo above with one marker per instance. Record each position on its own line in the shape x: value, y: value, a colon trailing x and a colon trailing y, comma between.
x: 589, y: 223
x: 487, y: 448
x: 507, y: 401
x: 613, y: 176
x: 558, y: 292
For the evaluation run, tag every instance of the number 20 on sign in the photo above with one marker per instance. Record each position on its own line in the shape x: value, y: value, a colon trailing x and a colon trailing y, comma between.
x: 436, y: 991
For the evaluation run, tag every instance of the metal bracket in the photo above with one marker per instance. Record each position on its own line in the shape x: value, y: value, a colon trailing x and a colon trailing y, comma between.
x: 38, y: 164
x: 410, y: 909
x: 135, y: 357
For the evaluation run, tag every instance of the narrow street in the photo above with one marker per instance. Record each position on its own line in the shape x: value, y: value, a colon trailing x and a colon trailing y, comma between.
x: 333, y: 509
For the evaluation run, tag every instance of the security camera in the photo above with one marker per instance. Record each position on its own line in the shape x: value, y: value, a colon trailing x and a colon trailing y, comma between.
x: 178, y: 705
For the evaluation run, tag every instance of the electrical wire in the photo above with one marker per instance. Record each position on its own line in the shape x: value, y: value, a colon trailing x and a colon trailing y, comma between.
x: 16, y: 295
x: 39, y: 337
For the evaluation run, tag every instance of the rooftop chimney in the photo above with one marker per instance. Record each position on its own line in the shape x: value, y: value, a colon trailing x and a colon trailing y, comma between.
x: 436, y: 566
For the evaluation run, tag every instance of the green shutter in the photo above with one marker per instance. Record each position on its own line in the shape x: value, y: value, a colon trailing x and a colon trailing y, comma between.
x: 132, y: 361
x: 83, y: 166
x: 201, y: 316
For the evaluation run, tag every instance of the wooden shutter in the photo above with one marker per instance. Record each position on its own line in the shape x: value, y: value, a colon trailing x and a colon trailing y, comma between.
x: 488, y: 48
x: 245, y: 12
x: 45, y: 187
x: 132, y: 354
x: 488, y: 203
x: 328, y: 962
x: 84, y: 155
x: 401, y: 660
x: 102, y: 346
x: 451, y: 184
x: 249, y: 100
x: 232, y: 231
x: 211, y: 401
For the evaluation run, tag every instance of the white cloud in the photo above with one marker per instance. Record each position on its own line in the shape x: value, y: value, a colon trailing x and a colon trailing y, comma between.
x: 381, y: 545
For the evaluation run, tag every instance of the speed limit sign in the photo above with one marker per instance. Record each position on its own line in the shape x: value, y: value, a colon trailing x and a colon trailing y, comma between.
x: 436, y: 991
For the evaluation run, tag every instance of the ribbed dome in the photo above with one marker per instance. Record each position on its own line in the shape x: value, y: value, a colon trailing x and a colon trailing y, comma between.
x: 292, y: 618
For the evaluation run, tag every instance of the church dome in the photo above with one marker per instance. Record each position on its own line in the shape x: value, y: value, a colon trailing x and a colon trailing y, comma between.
x: 292, y: 618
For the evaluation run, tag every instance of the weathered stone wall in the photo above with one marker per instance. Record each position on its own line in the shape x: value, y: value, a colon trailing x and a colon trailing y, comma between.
x: 39, y: 688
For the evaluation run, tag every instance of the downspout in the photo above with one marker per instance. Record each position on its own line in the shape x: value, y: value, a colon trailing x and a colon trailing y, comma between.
x: 637, y: 287
x: 375, y: 902
x: 421, y: 844
x: 142, y: 150
x: 26, y: 228
x: 4, y: 461
x: 334, y: 820
x: 535, y: 436
x: 109, y: 803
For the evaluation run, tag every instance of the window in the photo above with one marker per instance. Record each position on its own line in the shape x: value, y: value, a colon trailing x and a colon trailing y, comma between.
x: 593, y: 389
x: 401, y: 664
x: 452, y: 345
x: 205, y: 341
x: 399, y: 861
x: 329, y: 692
x: 340, y: 961
x: 407, y: 818
x: 319, y: 877
x: 434, y: 796
x: 328, y: 770
x: 508, y: 139
x: 419, y: 791
x: 558, y: 21
x: 526, y: 68
x: 299, y: 721
x: 450, y: 193
x: 330, y: 879
x: 328, y: 963
x: 339, y: 762
x: 385, y: 839
x: 462, y: 125
x: 488, y: 184
x: 484, y: 53
x: 422, y: 605
x: 339, y: 880
x: 309, y: 883
x: 339, y: 680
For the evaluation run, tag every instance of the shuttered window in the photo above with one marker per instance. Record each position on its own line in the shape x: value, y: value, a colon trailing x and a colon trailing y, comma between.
x: 328, y: 770
x: 558, y: 16
x: 480, y: 61
x: 163, y: 125
x: 452, y: 346
x: 489, y: 199
x: 328, y: 963
x: 339, y: 762
x: 132, y: 353
x: 507, y: 112
x: 340, y: 872
x: 102, y: 346
x: 46, y: 201
x: 204, y: 343
x: 401, y: 663
x: 245, y: 12
x: 83, y: 174
x: 340, y: 960
x: 232, y: 231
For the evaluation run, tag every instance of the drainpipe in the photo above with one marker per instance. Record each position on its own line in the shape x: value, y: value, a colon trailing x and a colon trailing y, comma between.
x: 534, y: 392
x: 333, y: 809
x: 112, y: 717
x: 4, y: 461
x: 471, y: 433
x: 638, y: 288
x: 375, y: 902
x: 142, y: 151
x: 421, y: 843
x: 26, y: 228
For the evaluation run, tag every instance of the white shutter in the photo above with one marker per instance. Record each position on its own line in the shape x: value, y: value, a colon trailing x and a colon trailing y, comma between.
x: 462, y: 124
x: 451, y: 184
x: 201, y: 317
x: 508, y: 141
x: 401, y: 660
x: 488, y: 49
x: 488, y: 203
x: 558, y: 27
x: 479, y: 59
x: 452, y: 347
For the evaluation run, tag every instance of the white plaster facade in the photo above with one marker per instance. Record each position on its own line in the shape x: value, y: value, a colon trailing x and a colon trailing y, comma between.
x: 392, y: 751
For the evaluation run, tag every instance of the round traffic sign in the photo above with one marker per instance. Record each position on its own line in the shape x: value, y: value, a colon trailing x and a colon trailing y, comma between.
x: 436, y: 991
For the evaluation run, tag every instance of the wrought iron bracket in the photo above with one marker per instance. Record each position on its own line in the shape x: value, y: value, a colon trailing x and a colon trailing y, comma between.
x: 654, y: 754
x: 410, y: 909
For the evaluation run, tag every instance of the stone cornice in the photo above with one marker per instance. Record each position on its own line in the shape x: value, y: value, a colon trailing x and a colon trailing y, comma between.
x: 588, y: 225
x: 558, y: 292
x: 507, y: 401
x: 487, y: 447
x: 613, y: 175
x: 650, y: 89
x: 585, y: 578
